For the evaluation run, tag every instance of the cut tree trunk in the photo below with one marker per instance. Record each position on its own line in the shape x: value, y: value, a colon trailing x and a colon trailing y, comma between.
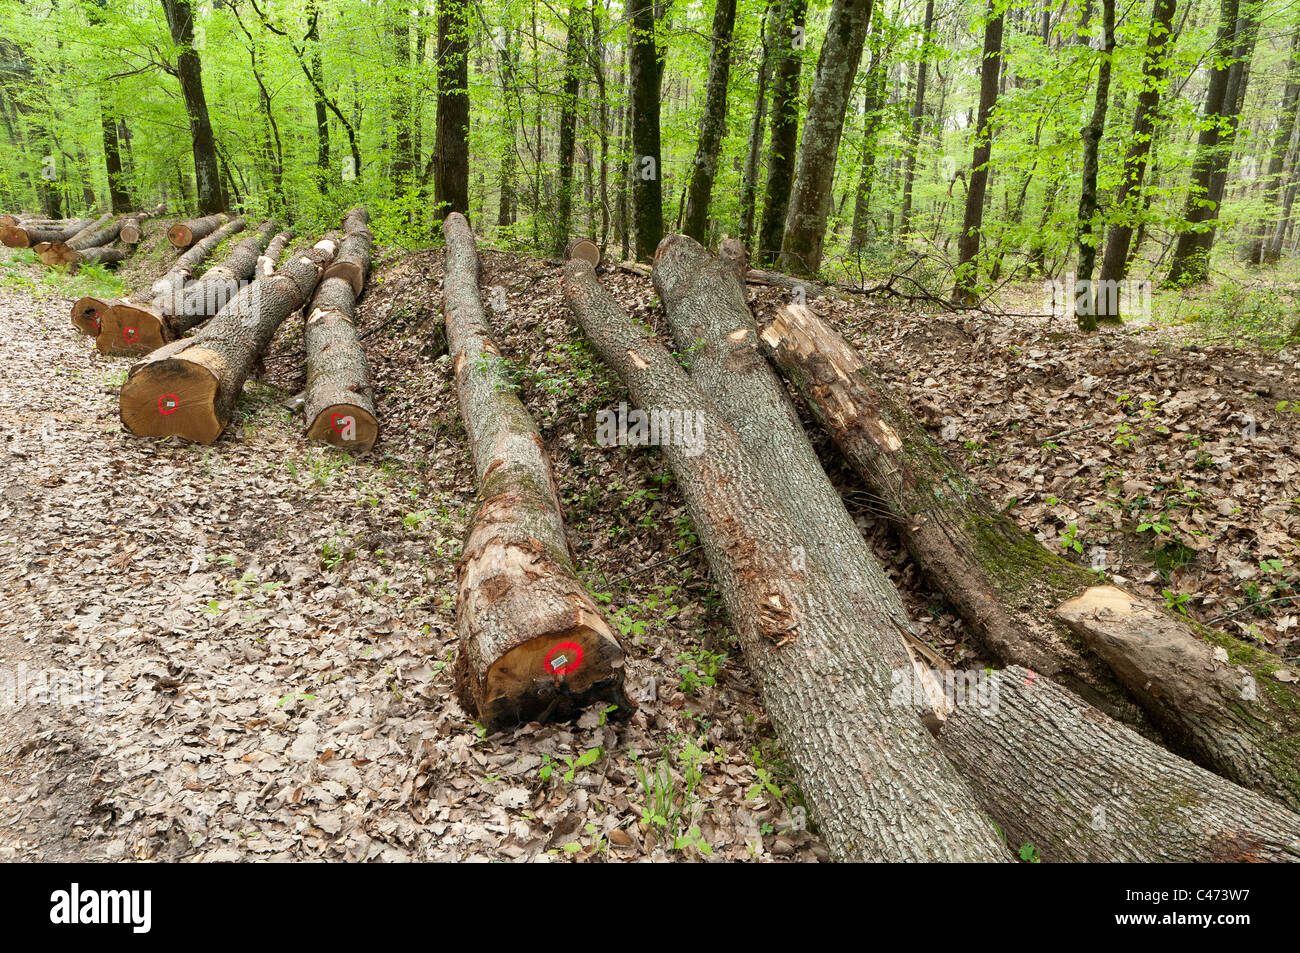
x: 1079, y: 786
x: 88, y: 313
x: 340, y: 399
x: 189, y: 388
x: 139, y: 328
x: 133, y: 225
x: 1009, y: 587
x: 22, y: 236
x: 185, y: 234
x: 533, y: 644
x: 874, y: 777
x: 103, y: 232
x: 710, y: 321
x: 102, y: 255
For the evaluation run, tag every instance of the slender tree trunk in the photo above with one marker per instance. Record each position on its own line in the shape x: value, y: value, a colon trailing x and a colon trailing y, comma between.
x: 1089, y: 228
x: 968, y: 245
x: 568, y: 129
x: 758, y: 123
x: 189, y: 70
x: 810, y: 199
x: 317, y: 71
x: 914, y: 127
x: 713, y: 127
x: 404, y: 98
x: 873, y: 103
x: 1114, y: 263
x: 451, y: 165
x: 1286, y: 123
x: 788, y: 47
x: 645, y: 72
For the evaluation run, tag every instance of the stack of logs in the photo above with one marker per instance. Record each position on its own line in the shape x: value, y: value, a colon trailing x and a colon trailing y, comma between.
x: 72, y: 243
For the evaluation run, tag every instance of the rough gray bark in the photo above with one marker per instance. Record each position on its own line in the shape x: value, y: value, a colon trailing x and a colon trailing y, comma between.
x: 1089, y: 230
x: 871, y: 772
x: 189, y: 388
x: 188, y: 69
x: 713, y: 124
x: 1078, y: 786
x: 533, y: 644
x: 810, y: 202
x: 757, y: 125
x: 785, y: 130
x: 645, y: 75
x: 340, y: 399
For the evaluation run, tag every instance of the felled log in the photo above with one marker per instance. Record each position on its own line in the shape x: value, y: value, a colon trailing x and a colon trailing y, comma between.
x: 133, y: 224
x: 711, y: 324
x: 185, y: 234
x: 102, y: 255
x: 22, y: 236
x: 88, y: 314
x: 1079, y: 786
x: 339, y: 403
x: 132, y: 327
x: 189, y: 388
x: 533, y: 644
x: 871, y: 772
x: 1009, y: 587
x: 101, y: 233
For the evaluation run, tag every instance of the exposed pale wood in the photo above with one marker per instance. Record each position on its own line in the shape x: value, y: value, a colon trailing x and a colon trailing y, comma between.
x: 132, y: 226
x: 185, y: 234
x: 21, y: 236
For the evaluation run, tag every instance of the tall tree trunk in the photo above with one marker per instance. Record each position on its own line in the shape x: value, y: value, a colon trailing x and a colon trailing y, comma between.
x: 1089, y: 229
x: 873, y: 103
x: 645, y: 75
x: 917, y: 117
x: 118, y: 195
x: 1286, y: 123
x: 810, y: 200
x: 451, y: 166
x: 404, y: 96
x: 568, y: 128
x: 1125, y: 211
x: 316, y: 70
x: 788, y: 45
x: 189, y: 70
x: 968, y: 244
x: 713, y: 126
x: 758, y: 123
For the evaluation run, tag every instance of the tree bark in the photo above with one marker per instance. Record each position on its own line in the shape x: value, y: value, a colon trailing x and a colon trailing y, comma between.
x: 785, y: 129
x: 713, y: 125
x: 757, y: 125
x: 568, y: 129
x: 1078, y: 786
x: 451, y: 146
x: 21, y: 236
x: 914, y: 127
x: 1021, y: 599
x: 810, y: 201
x: 189, y: 70
x: 1089, y: 230
x: 185, y: 234
x: 968, y: 245
x: 645, y: 75
x: 69, y: 253
x: 340, y: 397
x: 1114, y: 263
x: 189, y: 387
x: 1288, y: 109
x: 872, y: 774
x: 533, y: 644
x: 132, y: 225
x: 88, y: 313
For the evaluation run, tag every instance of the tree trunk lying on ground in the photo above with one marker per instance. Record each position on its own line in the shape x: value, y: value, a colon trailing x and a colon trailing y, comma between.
x: 185, y: 234
x: 102, y: 233
x: 21, y: 236
x: 133, y: 224
x: 1009, y: 587
x: 1079, y: 786
x: 189, y: 387
x: 50, y: 252
x: 138, y: 328
x: 103, y: 255
x: 88, y: 313
x: 339, y: 399
x: 874, y: 777
x: 533, y: 644
x: 712, y: 326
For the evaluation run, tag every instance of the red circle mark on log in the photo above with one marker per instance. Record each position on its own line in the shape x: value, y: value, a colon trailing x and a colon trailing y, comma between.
x: 130, y: 334
x: 340, y: 421
x: 569, y: 658
x: 167, y: 404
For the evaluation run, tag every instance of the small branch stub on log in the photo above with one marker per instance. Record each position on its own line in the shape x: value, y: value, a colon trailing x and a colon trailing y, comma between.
x: 185, y: 234
x: 339, y: 402
x: 533, y: 644
x: 189, y: 388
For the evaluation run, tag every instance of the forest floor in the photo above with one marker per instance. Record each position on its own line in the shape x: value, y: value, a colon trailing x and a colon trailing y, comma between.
x: 274, y: 621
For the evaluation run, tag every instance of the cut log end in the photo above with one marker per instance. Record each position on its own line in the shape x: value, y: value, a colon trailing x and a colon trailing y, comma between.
x: 15, y: 236
x: 346, y: 426
x: 349, y: 271
x: 88, y: 314
x: 130, y: 233
x: 171, y: 398
x: 583, y: 249
x: 180, y: 235
x: 131, y: 329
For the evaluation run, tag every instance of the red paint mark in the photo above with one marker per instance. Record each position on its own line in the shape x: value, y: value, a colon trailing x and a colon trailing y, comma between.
x: 130, y: 335
x: 168, y: 404
x: 567, y: 658
x: 1031, y: 677
x: 339, y: 421
x: 94, y: 317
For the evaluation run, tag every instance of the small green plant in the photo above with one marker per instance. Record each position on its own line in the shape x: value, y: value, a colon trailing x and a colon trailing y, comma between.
x: 698, y: 668
x: 1070, y: 539
x: 1176, y: 600
x: 1029, y: 854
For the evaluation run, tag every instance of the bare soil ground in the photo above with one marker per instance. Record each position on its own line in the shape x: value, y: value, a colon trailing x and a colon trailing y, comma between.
x: 274, y: 622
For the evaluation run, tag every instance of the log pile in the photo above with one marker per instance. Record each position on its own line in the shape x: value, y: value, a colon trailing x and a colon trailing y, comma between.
x: 90, y: 245
x: 189, y: 388
x: 131, y: 327
x: 133, y: 224
x: 533, y: 644
x: 339, y: 403
x: 185, y: 234
x: 34, y: 234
